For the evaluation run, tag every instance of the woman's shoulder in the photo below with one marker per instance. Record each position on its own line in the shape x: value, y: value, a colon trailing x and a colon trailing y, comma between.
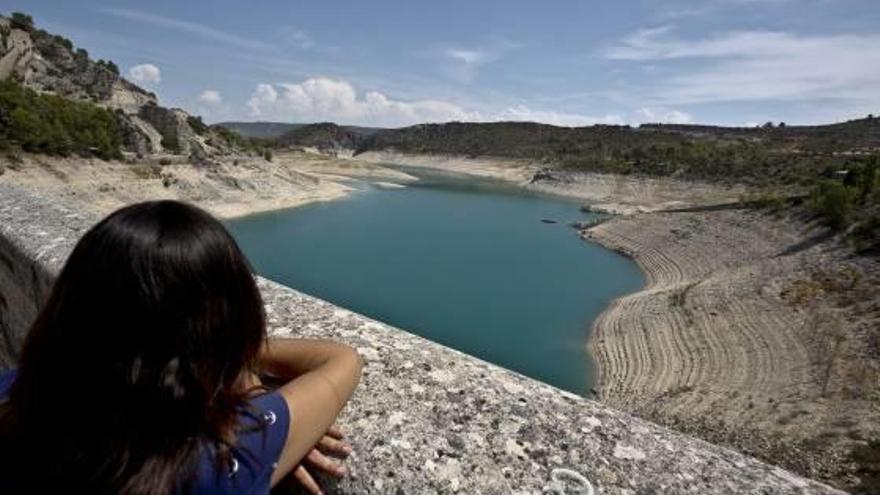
x: 263, y: 428
x: 7, y: 378
x: 260, y: 438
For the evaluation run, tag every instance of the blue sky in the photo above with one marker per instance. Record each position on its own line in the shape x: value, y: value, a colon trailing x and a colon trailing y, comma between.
x: 391, y: 63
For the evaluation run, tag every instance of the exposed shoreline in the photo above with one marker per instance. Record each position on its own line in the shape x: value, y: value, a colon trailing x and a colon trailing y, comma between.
x: 608, y: 193
x: 752, y: 331
x: 228, y: 188
x: 745, y: 335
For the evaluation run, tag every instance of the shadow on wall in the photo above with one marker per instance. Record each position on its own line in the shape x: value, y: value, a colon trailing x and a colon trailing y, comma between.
x: 24, y: 285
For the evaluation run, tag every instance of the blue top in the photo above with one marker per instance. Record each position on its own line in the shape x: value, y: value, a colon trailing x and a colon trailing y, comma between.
x: 255, y: 455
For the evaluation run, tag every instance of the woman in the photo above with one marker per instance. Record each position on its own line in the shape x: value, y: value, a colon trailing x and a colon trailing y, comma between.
x: 140, y: 374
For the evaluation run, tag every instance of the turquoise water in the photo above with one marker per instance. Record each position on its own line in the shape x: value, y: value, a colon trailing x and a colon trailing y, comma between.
x: 461, y: 261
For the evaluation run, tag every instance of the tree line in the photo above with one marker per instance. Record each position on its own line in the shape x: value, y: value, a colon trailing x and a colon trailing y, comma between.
x: 50, y: 124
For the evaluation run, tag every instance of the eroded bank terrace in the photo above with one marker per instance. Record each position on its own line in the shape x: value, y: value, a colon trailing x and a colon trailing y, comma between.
x: 426, y: 418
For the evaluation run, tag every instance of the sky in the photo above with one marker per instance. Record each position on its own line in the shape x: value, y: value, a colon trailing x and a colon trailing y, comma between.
x: 394, y: 63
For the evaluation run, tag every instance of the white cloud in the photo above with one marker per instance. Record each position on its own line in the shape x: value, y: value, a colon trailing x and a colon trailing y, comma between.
x: 647, y: 115
x: 524, y: 113
x: 210, y: 97
x: 758, y: 66
x: 145, y: 74
x: 191, y: 28
x: 300, y: 39
x: 702, y: 8
x: 463, y: 64
x: 325, y: 99
x: 469, y: 57
x: 263, y: 99
x: 654, y: 44
x: 640, y: 45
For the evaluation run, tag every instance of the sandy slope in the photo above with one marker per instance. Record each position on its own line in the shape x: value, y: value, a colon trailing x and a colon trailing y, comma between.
x: 229, y: 187
x: 605, y: 192
x: 511, y: 170
x: 745, y: 335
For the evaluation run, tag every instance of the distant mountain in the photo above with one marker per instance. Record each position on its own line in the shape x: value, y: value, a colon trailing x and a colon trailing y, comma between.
x: 260, y: 130
x: 36, y: 66
x: 275, y: 130
x: 327, y: 136
x: 770, y: 153
x: 782, y: 154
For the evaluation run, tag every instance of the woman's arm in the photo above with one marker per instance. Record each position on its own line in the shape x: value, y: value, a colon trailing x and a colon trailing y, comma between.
x: 326, y: 374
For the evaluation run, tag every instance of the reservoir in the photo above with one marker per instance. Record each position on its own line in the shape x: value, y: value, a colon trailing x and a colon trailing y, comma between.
x: 471, y: 263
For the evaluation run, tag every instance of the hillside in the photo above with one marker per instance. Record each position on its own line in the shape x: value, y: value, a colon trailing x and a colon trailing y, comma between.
x: 318, y: 135
x: 775, y: 154
x: 54, y: 92
x: 259, y: 130
x: 327, y: 137
x: 73, y: 128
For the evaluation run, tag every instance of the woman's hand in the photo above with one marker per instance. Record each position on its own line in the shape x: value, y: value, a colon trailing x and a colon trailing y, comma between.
x: 326, y: 374
x: 317, y: 460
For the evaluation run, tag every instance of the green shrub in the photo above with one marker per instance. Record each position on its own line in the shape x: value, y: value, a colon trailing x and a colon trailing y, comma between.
x: 866, y: 178
x: 64, y: 41
x: 198, y: 126
x: 867, y: 458
x: 109, y: 65
x: 22, y: 21
x: 852, y: 201
x: 170, y: 142
x: 835, y: 202
x: 50, y: 124
x: 236, y: 140
x: 769, y: 200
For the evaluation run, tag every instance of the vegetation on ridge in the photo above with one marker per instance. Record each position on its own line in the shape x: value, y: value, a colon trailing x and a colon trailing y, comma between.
x: 51, y: 124
x: 236, y: 140
x: 63, y: 107
x: 851, y: 202
x: 779, y: 155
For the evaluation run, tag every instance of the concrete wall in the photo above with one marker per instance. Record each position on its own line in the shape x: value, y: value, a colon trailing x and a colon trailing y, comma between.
x: 29, y: 257
x: 426, y: 418
x: 23, y: 285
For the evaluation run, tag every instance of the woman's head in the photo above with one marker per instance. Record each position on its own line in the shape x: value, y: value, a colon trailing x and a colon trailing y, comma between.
x: 139, y: 349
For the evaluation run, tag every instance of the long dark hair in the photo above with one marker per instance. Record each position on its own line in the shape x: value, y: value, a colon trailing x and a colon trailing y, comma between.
x: 134, y: 364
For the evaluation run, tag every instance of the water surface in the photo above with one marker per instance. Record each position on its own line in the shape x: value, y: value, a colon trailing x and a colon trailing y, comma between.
x: 462, y: 261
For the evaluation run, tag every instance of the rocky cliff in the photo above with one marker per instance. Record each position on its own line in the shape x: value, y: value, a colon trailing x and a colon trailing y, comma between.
x: 50, y: 63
